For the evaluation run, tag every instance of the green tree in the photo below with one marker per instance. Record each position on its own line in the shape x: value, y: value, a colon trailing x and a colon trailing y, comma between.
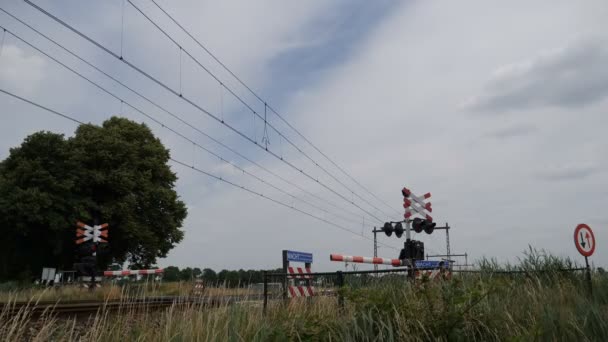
x: 186, y: 274
x: 171, y: 273
x: 115, y: 173
x: 209, y: 276
x: 196, y: 272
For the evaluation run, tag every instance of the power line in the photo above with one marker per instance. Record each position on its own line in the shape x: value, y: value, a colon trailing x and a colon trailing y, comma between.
x: 206, y: 112
x: 267, y: 105
x: 42, y: 107
x: 71, y: 118
x: 166, y: 111
x: 164, y: 125
x: 255, y: 113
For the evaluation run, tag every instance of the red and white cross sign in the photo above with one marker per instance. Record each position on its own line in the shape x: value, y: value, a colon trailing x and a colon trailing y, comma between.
x: 97, y: 233
x: 415, y: 204
x: 584, y: 240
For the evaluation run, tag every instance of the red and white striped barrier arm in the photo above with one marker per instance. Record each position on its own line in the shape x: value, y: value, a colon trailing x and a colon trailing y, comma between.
x: 299, y: 272
x: 131, y: 272
x: 365, y: 260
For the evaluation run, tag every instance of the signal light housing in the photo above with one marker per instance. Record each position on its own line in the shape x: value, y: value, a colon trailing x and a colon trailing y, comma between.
x: 429, y: 227
x: 388, y: 228
x: 418, y: 225
x: 399, y: 229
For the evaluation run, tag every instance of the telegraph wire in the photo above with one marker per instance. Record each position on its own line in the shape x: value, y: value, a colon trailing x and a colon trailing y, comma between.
x: 267, y: 105
x: 220, y: 178
x: 206, y: 112
x: 42, y: 107
x: 168, y: 112
x: 2, y: 42
x: 122, y: 101
x: 255, y: 113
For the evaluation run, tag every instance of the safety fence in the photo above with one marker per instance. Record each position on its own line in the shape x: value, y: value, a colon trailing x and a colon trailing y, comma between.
x: 284, y: 287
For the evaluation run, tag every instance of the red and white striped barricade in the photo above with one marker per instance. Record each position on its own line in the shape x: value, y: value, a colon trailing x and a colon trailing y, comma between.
x: 198, y: 288
x: 428, y: 268
x: 295, y: 291
x: 124, y: 273
x: 366, y: 260
x: 299, y: 280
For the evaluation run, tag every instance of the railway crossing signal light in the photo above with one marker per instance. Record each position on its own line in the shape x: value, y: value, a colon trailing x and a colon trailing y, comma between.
x: 429, y: 227
x: 419, y: 225
x: 388, y: 229
x: 399, y: 229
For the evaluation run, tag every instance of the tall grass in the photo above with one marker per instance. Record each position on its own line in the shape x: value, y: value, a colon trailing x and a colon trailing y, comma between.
x: 543, y: 304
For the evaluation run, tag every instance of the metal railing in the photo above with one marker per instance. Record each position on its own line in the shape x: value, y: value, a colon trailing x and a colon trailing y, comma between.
x: 276, y: 285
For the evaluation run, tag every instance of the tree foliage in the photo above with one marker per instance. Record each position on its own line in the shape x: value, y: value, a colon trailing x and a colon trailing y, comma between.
x: 116, y: 173
x: 228, y: 278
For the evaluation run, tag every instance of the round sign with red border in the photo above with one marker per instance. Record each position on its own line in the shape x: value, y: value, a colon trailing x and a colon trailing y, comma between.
x: 584, y: 240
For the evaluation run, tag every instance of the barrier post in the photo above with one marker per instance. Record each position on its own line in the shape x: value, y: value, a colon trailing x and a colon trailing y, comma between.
x: 340, y: 281
x: 265, y: 291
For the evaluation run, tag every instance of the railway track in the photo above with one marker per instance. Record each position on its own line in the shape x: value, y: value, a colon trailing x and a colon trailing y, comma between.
x: 80, y: 307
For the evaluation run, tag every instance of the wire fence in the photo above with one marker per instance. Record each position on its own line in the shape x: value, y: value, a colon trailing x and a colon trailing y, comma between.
x: 284, y: 287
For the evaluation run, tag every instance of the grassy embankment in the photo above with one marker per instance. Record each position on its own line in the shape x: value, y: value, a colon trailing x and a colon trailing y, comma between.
x: 549, y: 305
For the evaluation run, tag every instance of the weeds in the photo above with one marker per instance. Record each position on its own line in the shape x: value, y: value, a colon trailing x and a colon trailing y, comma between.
x: 543, y: 303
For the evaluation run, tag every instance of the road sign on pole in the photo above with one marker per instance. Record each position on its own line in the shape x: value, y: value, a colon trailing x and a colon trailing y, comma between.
x: 96, y: 233
x: 584, y: 240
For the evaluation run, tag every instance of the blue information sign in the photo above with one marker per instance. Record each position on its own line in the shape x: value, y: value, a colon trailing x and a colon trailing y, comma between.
x: 428, y: 263
x: 299, y: 257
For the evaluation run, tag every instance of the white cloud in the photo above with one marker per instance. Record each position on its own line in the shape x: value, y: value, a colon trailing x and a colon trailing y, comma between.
x: 388, y: 113
x: 571, y: 76
x: 22, y: 71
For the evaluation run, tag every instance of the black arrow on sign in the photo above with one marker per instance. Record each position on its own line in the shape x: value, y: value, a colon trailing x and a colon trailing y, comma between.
x: 582, y: 240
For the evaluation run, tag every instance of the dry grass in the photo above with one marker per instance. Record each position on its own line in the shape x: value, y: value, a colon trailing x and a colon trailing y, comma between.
x: 109, y: 291
x: 549, y: 306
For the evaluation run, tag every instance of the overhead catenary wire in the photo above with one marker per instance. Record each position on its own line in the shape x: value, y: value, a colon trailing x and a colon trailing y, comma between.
x: 177, y: 117
x: 255, y: 94
x: 2, y: 41
x: 201, y: 109
x: 164, y: 125
x: 209, y: 174
x: 248, y: 106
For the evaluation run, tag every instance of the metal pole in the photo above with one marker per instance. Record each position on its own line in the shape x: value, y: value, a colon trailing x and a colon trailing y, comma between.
x: 265, y: 291
x: 447, y: 241
x: 340, y: 281
x: 285, y: 266
x: 410, y: 271
x: 589, y: 276
x: 375, y: 249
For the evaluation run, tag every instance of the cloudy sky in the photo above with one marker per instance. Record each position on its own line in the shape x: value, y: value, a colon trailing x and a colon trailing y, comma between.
x: 496, y: 108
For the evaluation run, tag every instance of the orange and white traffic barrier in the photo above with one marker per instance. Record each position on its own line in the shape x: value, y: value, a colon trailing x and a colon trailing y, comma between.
x: 199, y: 288
x: 300, y: 291
x: 299, y: 272
x: 365, y: 260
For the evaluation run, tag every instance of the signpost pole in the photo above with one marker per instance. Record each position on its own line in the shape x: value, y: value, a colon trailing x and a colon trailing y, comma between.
x: 265, y: 291
x: 411, y: 273
x: 584, y: 240
x: 375, y: 248
x: 285, y: 266
x: 588, y: 276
